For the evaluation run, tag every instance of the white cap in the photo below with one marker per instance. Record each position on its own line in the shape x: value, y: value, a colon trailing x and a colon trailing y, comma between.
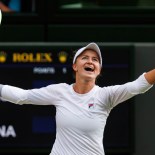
x: 0, y: 16
x: 92, y: 46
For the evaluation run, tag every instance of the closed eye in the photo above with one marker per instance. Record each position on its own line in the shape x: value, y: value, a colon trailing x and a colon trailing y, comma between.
x: 96, y: 59
x: 85, y: 57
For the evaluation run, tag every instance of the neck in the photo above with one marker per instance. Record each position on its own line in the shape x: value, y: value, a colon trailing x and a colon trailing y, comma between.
x: 83, y: 87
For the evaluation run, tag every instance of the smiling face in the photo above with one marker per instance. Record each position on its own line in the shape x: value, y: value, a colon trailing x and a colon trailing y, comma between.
x: 87, y: 66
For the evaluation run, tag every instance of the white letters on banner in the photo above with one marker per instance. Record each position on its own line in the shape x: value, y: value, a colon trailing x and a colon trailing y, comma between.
x: 7, y: 131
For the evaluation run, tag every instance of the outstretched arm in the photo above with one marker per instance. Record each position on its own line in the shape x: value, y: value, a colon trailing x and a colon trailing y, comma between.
x: 150, y: 76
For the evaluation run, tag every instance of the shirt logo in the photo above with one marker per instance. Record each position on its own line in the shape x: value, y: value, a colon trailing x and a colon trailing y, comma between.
x: 91, y: 105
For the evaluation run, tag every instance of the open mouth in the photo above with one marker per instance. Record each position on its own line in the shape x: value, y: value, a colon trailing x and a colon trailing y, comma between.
x: 89, y: 69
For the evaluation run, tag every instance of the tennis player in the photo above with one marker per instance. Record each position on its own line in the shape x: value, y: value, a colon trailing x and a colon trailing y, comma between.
x: 82, y: 108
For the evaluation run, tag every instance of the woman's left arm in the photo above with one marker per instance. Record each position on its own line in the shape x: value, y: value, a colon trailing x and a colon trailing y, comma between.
x: 150, y: 76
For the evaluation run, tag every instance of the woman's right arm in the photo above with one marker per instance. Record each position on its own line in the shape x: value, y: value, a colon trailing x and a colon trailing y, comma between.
x: 42, y: 96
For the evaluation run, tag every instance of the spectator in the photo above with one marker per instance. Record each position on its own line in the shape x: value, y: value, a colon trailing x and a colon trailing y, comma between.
x: 10, y: 5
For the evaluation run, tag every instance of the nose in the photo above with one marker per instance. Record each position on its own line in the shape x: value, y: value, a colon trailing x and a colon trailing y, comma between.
x: 90, y: 61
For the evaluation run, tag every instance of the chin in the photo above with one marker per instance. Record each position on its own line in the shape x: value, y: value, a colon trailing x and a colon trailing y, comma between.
x: 90, y: 79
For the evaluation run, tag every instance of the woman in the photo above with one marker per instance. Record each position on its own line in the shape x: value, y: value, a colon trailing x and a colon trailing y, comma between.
x: 82, y: 108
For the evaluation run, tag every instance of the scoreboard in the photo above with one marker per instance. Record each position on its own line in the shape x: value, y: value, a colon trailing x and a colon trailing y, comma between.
x: 31, y: 128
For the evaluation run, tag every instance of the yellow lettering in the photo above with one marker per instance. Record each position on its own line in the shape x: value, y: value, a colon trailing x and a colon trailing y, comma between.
x: 32, y: 57
x: 48, y: 57
x: 15, y: 57
x: 38, y: 57
x: 24, y: 57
